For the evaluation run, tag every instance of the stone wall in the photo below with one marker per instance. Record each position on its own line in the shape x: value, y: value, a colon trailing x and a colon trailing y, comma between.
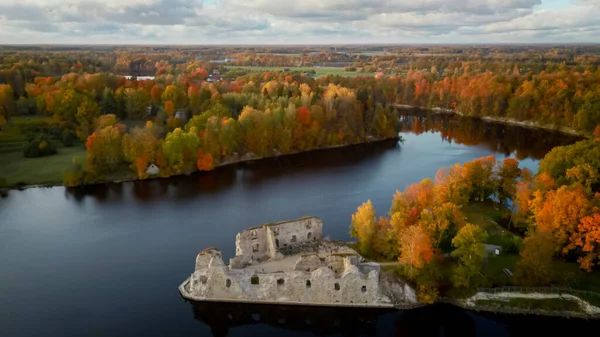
x: 318, y: 286
x: 262, y: 243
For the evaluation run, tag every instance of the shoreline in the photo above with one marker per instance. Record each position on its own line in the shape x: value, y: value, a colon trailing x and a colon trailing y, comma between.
x: 225, y: 163
x: 500, y: 120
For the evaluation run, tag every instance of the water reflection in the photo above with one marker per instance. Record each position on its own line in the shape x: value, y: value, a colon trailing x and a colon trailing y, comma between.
x: 321, y: 321
x: 500, y: 138
x: 431, y: 321
x: 251, y: 174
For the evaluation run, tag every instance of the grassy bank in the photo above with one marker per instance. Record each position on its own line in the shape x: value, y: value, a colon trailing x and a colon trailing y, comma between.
x: 546, y: 304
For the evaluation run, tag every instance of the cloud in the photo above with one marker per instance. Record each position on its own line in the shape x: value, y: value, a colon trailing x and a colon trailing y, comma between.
x: 306, y: 21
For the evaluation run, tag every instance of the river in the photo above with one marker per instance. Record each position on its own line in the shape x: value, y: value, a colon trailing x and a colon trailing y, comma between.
x: 107, y: 260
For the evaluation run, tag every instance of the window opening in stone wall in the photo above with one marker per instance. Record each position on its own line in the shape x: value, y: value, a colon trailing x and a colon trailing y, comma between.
x: 255, y: 248
x: 203, y: 279
x: 308, y: 284
x: 254, y: 234
x: 363, y: 289
x: 280, y: 282
x: 309, y: 235
x: 254, y: 280
x: 336, y: 286
x: 276, y: 231
x: 308, y: 225
x: 228, y: 283
x: 293, y: 238
x: 277, y: 243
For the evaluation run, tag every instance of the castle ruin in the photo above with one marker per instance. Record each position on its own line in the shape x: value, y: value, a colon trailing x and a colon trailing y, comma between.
x: 290, y: 263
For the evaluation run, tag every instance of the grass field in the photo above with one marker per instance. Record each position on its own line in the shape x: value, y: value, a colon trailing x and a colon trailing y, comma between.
x: 319, y: 71
x: 17, y: 169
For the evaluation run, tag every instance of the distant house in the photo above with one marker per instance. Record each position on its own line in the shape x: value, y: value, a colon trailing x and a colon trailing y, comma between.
x: 216, y: 72
x: 379, y: 74
x: 152, y: 170
x: 181, y: 115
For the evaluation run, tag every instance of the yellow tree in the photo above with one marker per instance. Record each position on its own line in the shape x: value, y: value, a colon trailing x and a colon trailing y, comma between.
x: 363, y: 226
x: 535, y: 266
x: 470, y: 252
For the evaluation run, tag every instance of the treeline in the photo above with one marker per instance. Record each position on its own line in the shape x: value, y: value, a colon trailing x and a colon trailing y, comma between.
x: 557, y: 209
x: 230, y: 121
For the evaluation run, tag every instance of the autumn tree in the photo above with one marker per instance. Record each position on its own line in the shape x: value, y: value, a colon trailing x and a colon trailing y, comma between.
x: 7, y: 103
x: 104, y: 150
x: 587, y: 239
x: 559, y: 212
x: 534, y: 268
x: 508, y: 172
x: 170, y: 108
x: 363, y: 227
x: 416, y: 249
x: 470, y: 251
x: 140, y: 147
x: 136, y: 103
x: 180, y: 149
x: 87, y: 112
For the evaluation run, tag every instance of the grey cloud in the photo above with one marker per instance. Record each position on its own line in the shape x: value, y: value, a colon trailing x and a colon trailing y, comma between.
x: 297, y: 20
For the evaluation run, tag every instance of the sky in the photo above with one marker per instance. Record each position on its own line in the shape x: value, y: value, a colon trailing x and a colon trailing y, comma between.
x: 198, y: 22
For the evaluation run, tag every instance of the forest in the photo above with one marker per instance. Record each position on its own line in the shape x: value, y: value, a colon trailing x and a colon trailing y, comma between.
x: 547, y: 218
x: 193, y: 113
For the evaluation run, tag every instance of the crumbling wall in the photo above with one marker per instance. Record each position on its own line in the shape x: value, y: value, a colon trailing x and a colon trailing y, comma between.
x: 320, y: 286
x: 205, y: 257
x: 262, y: 243
x: 299, y: 231
x: 309, y: 262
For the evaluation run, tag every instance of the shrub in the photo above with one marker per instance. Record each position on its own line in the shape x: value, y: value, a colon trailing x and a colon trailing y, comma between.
x: 68, y: 138
x: 39, y: 147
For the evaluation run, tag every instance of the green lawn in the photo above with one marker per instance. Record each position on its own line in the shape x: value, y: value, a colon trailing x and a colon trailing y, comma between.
x: 17, y: 169
x: 320, y: 71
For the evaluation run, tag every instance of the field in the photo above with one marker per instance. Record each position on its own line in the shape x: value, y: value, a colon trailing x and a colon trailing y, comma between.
x: 320, y: 71
x: 18, y: 170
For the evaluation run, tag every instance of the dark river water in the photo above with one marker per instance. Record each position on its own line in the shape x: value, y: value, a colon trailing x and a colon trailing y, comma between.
x: 107, y: 260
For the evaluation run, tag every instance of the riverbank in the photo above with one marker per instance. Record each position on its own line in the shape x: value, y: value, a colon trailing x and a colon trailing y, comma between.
x: 54, y: 178
x: 501, y: 120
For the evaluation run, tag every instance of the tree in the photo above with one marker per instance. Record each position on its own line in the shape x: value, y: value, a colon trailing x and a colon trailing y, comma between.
x: 416, y: 249
x: 87, y: 113
x: 470, y: 252
x: 363, y: 227
x: 205, y: 161
x: 180, y: 149
x: 156, y: 93
x: 588, y: 239
x: 170, y: 108
x: 559, y: 212
x: 104, y: 150
x: 385, y: 241
x: 535, y: 266
x: 136, y: 103
x: 7, y: 103
x: 140, y: 147
x: 508, y: 172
